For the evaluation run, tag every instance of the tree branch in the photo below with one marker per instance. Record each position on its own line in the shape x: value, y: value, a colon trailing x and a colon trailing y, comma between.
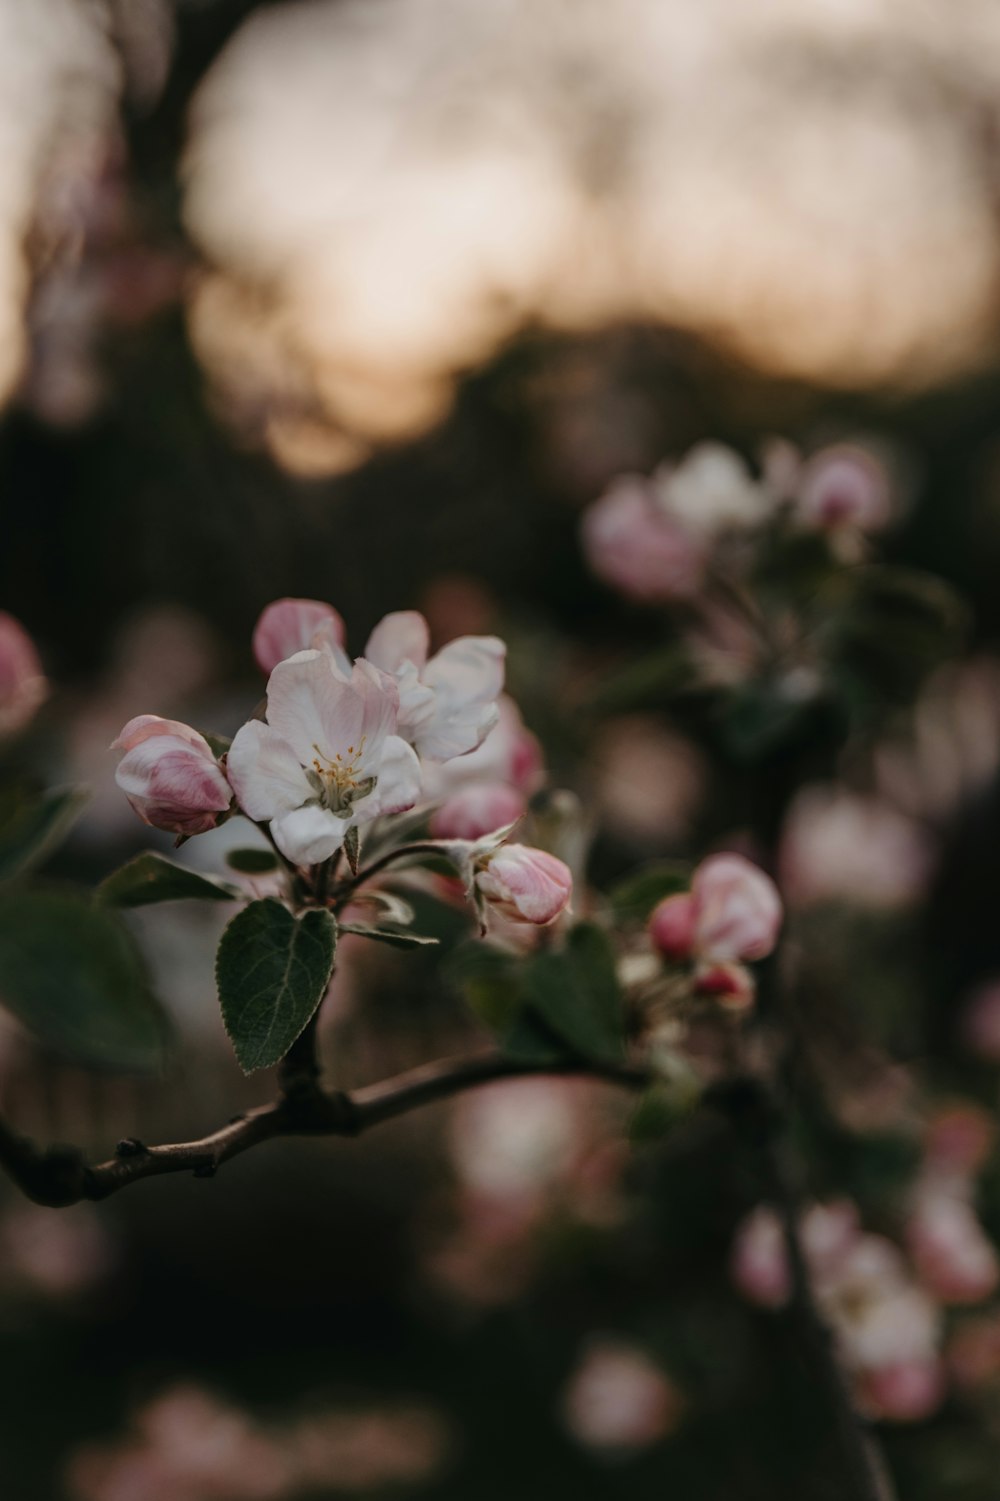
x: 60, y: 1176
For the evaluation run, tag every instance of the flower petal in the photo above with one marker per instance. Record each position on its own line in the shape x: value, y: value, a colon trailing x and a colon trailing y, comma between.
x: 308, y: 836
x: 401, y: 637
x: 292, y: 625
x: 467, y: 678
x: 265, y: 772
x: 315, y: 710
x: 146, y: 726
x: 398, y: 786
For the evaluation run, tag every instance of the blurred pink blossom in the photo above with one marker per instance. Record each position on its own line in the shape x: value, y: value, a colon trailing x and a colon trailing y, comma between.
x: 844, y: 486
x: 618, y: 1399
x: 476, y: 810
x: 737, y: 909
x: 837, y: 845
x: 979, y: 1022
x: 672, y: 926
x: 953, y: 1257
x: 634, y: 544
x: 23, y: 686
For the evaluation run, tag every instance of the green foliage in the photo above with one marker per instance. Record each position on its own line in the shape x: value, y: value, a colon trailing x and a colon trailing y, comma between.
x: 575, y: 992
x: 893, y: 627
x: 70, y: 973
x: 390, y: 936
x: 252, y: 862
x: 272, y: 970
x: 153, y: 878
x: 32, y: 824
x: 633, y: 899
x: 352, y: 848
x: 489, y: 980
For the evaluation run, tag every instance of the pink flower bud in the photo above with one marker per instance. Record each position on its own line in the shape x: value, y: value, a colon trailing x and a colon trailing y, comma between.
x: 527, y: 885
x: 732, y: 985
x: 635, y: 545
x: 22, y: 683
x: 738, y: 910
x: 477, y: 810
x: 170, y: 776
x: 671, y: 926
x: 291, y: 625
x: 844, y: 486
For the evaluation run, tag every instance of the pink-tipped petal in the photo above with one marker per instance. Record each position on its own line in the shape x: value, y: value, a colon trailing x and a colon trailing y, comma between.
x: 292, y: 625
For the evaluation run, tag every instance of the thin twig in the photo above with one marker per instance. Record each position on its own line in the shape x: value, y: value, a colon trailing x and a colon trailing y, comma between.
x: 61, y: 1176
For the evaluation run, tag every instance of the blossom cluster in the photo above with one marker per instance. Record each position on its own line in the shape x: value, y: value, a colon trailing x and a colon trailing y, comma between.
x: 347, y: 742
x: 731, y: 914
x: 654, y: 538
x: 886, y: 1302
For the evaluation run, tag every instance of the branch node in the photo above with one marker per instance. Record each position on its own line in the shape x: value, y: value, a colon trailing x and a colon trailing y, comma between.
x: 130, y: 1146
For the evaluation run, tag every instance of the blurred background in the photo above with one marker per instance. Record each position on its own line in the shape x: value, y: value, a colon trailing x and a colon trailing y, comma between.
x: 367, y: 301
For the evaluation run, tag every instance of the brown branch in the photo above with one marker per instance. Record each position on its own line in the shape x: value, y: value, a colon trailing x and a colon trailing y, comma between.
x: 60, y: 1175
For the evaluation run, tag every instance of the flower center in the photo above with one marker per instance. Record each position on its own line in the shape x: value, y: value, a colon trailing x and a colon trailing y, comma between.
x: 336, y: 780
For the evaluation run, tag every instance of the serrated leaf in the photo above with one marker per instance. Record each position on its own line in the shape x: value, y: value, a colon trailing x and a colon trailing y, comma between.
x: 252, y: 862
x: 32, y: 825
x: 633, y: 899
x: 387, y: 935
x: 575, y: 992
x: 153, y: 878
x: 272, y: 970
x: 72, y: 974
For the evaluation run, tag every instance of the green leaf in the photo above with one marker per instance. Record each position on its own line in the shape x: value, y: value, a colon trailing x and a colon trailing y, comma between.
x: 633, y: 899
x: 73, y: 975
x: 531, y: 1041
x: 272, y: 970
x: 389, y: 936
x: 153, y: 878
x: 489, y: 980
x: 575, y: 993
x: 252, y: 862
x: 893, y: 628
x: 32, y: 825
